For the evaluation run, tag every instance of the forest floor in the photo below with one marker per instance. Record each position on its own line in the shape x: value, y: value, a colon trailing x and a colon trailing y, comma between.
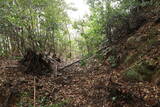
x: 96, y: 85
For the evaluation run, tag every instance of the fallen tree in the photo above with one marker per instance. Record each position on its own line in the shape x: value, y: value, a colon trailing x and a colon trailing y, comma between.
x: 85, y: 58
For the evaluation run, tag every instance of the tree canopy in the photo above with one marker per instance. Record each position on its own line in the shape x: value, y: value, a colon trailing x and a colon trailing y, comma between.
x: 36, y: 24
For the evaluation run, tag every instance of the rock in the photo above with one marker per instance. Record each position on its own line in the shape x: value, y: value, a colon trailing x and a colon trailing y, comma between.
x: 141, y: 38
x: 131, y: 40
x: 132, y: 43
x: 135, y: 39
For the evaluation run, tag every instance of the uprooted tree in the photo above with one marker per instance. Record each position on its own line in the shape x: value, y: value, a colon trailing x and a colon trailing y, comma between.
x: 34, y: 63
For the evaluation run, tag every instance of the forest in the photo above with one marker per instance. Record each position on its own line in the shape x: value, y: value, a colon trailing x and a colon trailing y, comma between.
x: 107, y: 57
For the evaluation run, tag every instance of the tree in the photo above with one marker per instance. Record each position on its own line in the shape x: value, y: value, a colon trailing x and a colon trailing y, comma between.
x: 36, y: 24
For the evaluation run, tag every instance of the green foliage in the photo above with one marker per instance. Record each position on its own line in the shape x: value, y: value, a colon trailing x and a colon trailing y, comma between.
x: 25, y: 94
x: 100, y: 23
x: 111, y: 18
x: 113, y: 61
x: 83, y: 63
x: 36, y: 24
x: 43, y: 100
x: 90, y: 38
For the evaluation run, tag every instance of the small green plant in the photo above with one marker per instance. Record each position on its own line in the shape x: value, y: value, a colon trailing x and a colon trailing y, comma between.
x: 43, y: 100
x: 83, y: 63
x: 25, y: 94
x: 113, y: 61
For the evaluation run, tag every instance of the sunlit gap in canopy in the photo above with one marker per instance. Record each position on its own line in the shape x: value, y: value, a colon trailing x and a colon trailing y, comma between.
x: 81, y: 9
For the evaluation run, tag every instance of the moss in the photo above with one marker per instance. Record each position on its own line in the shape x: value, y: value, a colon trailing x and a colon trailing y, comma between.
x: 131, y: 75
x: 141, y: 71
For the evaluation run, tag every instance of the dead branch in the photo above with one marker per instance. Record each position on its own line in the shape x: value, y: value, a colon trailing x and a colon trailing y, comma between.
x: 69, y: 65
x: 86, y: 58
x: 13, y: 66
x: 34, y: 92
